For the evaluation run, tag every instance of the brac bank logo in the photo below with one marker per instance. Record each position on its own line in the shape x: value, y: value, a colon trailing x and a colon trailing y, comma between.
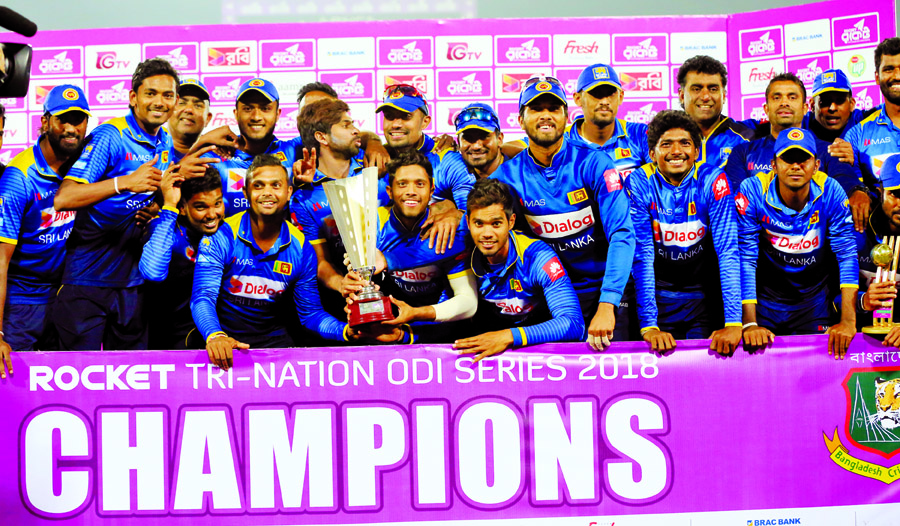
x: 523, y: 50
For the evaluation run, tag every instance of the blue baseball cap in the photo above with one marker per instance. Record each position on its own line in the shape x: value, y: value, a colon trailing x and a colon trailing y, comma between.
x: 597, y: 75
x: 261, y: 85
x: 831, y: 80
x: 65, y: 98
x: 193, y: 85
x: 795, y: 138
x: 539, y: 86
x: 477, y: 115
x: 403, y: 97
x: 890, y: 173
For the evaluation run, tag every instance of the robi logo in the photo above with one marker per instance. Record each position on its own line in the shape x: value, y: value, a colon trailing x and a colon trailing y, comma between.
x: 109, y: 60
x: 460, y: 51
x: 555, y: 226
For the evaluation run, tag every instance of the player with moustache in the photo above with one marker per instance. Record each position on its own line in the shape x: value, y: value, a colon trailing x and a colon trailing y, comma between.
x: 433, y: 292
x: 192, y: 209
x: 797, y: 246
x: 687, y: 266
x: 256, y: 272
x: 571, y: 196
x: 832, y: 110
x: 120, y: 168
x: 480, y: 139
x: 32, y: 233
x: 525, y: 295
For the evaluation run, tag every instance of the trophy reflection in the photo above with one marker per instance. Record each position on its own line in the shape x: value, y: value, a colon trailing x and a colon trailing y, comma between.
x: 884, y: 255
x: 354, y: 205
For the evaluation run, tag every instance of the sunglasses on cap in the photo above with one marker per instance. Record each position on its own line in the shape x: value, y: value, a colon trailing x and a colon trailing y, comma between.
x: 476, y: 114
x: 404, y: 90
x: 540, y: 78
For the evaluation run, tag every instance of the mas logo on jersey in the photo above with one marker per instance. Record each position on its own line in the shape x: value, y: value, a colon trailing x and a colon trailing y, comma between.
x: 283, y: 267
x: 577, y: 196
x: 516, y: 285
x: 871, y: 423
x: 554, y: 269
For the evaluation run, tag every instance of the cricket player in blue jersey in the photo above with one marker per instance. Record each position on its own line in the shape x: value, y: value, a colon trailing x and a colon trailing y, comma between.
x: 571, y: 196
x: 877, y: 136
x: 432, y: 291
x: 785, y: 106
x: 793, y: 223
x: 701, y: 91
x: 120, y: 168
x: 192, y: 209
x: 832, y: 109
x: 687, y: 266
x: 255, y: 271
x: 523, y: 288
x: 32, y: 233
x: 480, y: 139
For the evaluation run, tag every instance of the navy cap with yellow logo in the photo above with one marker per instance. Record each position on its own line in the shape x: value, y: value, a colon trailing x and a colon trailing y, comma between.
x: 890, y: 173
x: 66, y: 98
x: 538, y: 87
x: 189, y: 86
x: 831, y: 80
x: 597, y: 75
x: 795, y: 138
x: 261, y: 85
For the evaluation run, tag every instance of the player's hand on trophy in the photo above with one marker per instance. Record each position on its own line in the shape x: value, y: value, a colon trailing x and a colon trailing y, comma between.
x: 485, y: 345
x: 406, y: 313
x: 725, y: 340
x: 660, y: 341
x: 893, y: 337
x: 380, y: 262
x: 351, y: 284
x: 879, y: 295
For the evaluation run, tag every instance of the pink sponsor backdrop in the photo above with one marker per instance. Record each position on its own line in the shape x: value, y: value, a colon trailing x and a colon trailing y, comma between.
x: 455, y: 62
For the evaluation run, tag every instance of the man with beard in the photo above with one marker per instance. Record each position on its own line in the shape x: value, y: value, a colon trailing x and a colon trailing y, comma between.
x: 118, y: 172
x: 794, y: 231
x: 687, y: 267
x: 571, y: 196
x: 785, y: 106
x: 877, y: 136
x: 192, y: 209
x: 480, y: 139
x: 32, y: 233
x: 190, y: 116
x: 254, y: 271
x: 701, y: 91
x: 833, y: 110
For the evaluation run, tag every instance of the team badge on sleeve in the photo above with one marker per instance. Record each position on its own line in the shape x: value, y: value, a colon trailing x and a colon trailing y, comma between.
x: 742, y: 203
x: 613, y: 181
x: 554, y: 269
x: 720, y: 187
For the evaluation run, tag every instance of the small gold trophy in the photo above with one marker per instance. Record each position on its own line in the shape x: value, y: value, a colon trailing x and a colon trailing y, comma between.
x: 884, y: 255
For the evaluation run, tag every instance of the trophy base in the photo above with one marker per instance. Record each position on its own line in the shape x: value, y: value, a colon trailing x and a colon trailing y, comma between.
x: 371, y: 311
x: 877, y: 329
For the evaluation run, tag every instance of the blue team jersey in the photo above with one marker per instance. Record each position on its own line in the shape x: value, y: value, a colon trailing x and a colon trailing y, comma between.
x: 452, y: 179
x: 810, y: 123
x: 627, y: 147
x: 755, y: 157
x: 169, y: 257
x: 687, y: 240
x: 874, y: 139
x: 577, y: 205
x: 788, y: 257
x: 29, y: 221
x: 105, y: 245
x: 530, y: 293
x: 415, y: 273
x: 722, y: 140
x: 239, y: 289
x: 233, y: 171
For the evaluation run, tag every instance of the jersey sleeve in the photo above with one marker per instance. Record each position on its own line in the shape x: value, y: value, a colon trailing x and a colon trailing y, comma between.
x: 567, y: 323
x: 644, y: 255
x: 736, y: 166
x: 302, y: 218
x: 855, y: 137
x: 840, y: 236
x: 723, y: 222
x: 157, y: 254
x: 13, y: 201
x: 308, y: 303
x: 102, y: 149
x: 615, y: 216
x: 452, y: 179
x: 748, y: 237
x: 214, y: 251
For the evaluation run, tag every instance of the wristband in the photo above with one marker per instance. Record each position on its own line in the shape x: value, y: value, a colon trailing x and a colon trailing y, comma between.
x: 116, y: 184
x: 748, y: 325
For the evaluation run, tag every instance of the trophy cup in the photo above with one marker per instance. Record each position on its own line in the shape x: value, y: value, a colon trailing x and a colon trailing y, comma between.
x: 884, y: 255
x: 354, y: 205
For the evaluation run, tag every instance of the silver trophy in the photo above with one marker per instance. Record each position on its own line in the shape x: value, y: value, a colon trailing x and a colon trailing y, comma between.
x: 354, y: 205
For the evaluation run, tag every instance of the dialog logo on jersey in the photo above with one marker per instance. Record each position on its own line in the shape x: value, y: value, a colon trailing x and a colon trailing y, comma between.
x: 761, y: 43
x: 255, y: 287
x: 554, y: 269
x: 284, y: 55
x: 465, y: 83
x: 855, y: 30
x: 512, y: 306
x: 351, y: 85
x: 647, y: 48
x: 51, y: 218
x: 182, y: 56
x: 682, y: 235
x: 523, y: 50
x: 109, y: 92
x: 555, y: 226
x: 404, y: 52
x: 56, y: 61
x: 794, y: 244
x: 424, y: 274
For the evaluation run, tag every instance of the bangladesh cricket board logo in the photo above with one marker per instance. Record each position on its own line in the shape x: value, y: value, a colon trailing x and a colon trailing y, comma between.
x: 872, y: 423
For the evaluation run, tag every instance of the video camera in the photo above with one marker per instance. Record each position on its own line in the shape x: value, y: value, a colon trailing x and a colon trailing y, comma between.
x: 15, y: 59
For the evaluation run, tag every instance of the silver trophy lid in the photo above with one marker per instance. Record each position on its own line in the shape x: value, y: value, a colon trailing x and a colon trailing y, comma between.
x: 354, y: 205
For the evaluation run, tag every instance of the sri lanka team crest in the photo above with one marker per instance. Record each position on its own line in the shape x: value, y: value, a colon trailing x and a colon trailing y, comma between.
x: 872, y: 423
x: 70, y: 94
x: 795, y: 134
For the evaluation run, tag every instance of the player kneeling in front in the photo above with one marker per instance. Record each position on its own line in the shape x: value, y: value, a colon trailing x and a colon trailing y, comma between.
x: 792, y: 223
x: 522, y: 285
x: 244, y: 269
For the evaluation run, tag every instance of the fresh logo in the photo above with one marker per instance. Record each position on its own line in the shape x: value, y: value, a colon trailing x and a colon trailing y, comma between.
x: 573, y: 48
